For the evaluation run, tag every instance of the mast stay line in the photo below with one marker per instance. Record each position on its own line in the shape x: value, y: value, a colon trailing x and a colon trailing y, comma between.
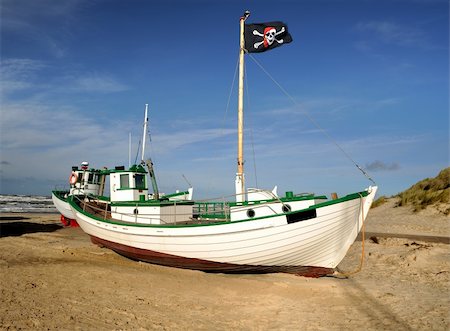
x: 311, y: 119
x: 240, y: 179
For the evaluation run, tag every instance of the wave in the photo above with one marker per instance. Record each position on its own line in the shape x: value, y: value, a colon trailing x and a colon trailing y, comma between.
x: 26, y: 204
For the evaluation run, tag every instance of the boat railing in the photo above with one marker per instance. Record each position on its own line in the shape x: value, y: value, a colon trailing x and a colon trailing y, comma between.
x: 271, y: 194
x: 212, y: 211
x: 94, y: 206
x: 219, y: 208
x: 199, y: 214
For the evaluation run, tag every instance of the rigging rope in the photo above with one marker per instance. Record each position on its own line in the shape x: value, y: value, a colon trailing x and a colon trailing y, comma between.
x: 229, y: 95
x: 137, y: 152
x: 311, y: 119
x: 222, y: 125
x: 139, y: 148
x: 363, y: 234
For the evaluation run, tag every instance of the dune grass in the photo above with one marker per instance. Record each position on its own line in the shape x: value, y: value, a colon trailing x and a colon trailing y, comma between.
x: 380, y: 201
x: 430, y: 191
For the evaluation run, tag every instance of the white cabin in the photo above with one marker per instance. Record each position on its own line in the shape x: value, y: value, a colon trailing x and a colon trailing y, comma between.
x: 130, y: 200
x: 86, y: 181
x: 128, y: 185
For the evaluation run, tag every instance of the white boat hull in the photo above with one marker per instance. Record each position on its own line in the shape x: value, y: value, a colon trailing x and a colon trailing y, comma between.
x: 62, y: 206
x: 265, y: 244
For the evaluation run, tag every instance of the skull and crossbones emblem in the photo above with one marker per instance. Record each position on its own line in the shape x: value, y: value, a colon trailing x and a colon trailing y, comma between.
x: 269, y: 36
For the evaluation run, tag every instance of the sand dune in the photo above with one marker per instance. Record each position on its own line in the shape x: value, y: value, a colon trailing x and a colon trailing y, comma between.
x: 54, y: 278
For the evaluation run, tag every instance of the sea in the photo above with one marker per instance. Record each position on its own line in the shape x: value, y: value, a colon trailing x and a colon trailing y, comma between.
x: 26, y: 204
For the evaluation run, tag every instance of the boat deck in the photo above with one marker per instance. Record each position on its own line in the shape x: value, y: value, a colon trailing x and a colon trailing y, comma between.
x: 201, y: 215
x: 96, y: 208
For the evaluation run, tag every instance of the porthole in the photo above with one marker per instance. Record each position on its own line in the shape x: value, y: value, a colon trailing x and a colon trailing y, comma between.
x: 251, y: 213
x: 136, y: 211
x: 286, y: 208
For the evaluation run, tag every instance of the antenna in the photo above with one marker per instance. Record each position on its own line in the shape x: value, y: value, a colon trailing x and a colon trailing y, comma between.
x: 129, y: 150
x: 144, y: 135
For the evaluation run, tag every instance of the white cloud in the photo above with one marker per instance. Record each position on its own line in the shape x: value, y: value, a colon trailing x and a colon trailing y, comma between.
x: 29, y: 125
x: 317, y: 108
x: 391, y: 33
x: 24, y: 74
x: 28, y: 20
x: 310, y: 106
x: 48, y: 139
x: 36, y: 128
x: 45, y: 141
x: 26, y: 11
x: 18, y: 74
x: 382, y: 142
x: 168, y: 142
x: 95, y: 82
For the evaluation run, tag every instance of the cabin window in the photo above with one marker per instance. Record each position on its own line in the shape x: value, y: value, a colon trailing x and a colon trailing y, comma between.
x: 124, y: 181
x: 80, y: 177
x: 91, y: 179
x: 140, y: 181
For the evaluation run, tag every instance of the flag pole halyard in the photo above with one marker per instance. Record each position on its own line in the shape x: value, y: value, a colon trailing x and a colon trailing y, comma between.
x: 240, y: 182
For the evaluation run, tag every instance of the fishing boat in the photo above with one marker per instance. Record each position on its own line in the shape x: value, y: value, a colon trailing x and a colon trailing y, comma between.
x: 258, y: 231
x: 82, y: 181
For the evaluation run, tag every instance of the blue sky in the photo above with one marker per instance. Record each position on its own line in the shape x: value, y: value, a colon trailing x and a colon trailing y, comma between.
x: 75, y: 75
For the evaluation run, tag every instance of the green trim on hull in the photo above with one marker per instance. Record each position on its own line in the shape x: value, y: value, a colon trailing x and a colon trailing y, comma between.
x: 348, y: 197
x: 283, y: 199
x: 60, y: 195
x: 152, y: 203
x: 174, y: 195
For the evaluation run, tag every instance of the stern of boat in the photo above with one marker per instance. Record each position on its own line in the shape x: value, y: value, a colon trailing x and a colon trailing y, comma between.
x: 59, y: 199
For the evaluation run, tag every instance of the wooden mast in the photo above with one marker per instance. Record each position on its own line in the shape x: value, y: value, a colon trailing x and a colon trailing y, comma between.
x: 240, y: 182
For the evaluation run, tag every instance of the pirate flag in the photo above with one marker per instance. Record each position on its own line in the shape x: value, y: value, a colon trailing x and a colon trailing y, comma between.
x: 261, y: 37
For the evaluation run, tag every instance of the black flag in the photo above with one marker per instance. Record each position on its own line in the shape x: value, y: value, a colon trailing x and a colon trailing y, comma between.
x: 261, y: 37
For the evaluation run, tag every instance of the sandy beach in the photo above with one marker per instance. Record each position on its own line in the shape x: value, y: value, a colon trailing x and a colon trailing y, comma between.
x: 54, y: 278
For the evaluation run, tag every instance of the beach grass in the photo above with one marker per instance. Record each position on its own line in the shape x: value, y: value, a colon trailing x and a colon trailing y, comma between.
x: 430, y: 191
x: 380, y: 201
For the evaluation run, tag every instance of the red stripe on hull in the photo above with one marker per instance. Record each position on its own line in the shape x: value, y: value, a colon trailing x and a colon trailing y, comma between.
x: 205, y: 265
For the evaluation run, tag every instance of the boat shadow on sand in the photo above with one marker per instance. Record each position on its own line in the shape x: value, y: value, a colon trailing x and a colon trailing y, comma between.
x: 16, y: 226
